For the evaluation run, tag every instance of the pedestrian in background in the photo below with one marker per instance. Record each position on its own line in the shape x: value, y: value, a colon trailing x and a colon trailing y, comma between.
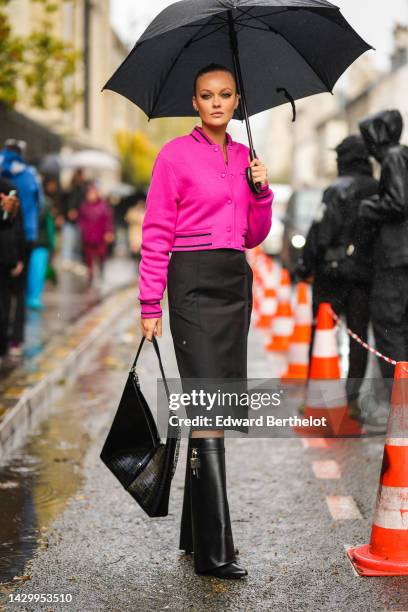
x: 338, y: 254
x: 25, y: 180
x: 70, y: 204
x: 41, y: 254
x: 96, y: 227
x: 388, y: 212
x: 134, y: 218
x: 12, y: 249
x: 52, y: 192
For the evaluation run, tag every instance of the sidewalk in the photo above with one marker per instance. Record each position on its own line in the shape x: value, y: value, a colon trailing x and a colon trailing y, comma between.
x: 56, y: 342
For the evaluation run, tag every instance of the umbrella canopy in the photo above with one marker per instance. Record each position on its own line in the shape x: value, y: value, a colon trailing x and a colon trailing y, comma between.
x: 286, y: 49
x: 122, y: 190
x: 90, y: 159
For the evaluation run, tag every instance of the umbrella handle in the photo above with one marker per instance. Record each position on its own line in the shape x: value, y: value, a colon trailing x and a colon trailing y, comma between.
x: 254, y: 187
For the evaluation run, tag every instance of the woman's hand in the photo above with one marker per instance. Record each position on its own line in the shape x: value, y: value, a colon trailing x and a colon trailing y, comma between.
x: 258, y: 171
x: 17, y: 270
x: 151, y: 327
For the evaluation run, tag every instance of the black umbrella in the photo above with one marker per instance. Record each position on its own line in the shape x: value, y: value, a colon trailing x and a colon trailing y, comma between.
x: 282, y: 50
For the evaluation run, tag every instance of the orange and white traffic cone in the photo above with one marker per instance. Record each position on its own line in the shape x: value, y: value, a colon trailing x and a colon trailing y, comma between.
x: 268, y: 301
x: 255, y: 253
x: 325, y: 357
x: 326, y: 394
x: 298, y: 365
x: 282, y: 325
x: 258, y: 269
x: 387, y: 553
x: 256, y: 301
x: 257, y: 287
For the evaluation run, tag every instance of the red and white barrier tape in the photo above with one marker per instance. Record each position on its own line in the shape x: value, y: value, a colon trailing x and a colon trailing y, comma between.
x: 360, y: 341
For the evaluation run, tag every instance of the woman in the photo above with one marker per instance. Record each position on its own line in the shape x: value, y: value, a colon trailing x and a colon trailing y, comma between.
x: 68, y: 220
x: 199, y: 207
x: 96, y: 227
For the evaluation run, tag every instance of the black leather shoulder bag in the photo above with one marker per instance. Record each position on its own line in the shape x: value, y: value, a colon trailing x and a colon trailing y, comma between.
x: 133, y: 450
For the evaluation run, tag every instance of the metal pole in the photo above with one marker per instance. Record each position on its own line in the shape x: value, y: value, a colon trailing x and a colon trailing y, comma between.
x: 240, y: 82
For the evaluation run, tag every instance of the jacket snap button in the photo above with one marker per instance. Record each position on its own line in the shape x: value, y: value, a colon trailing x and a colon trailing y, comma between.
x: 216, y: 149
x: 229, y: 202
x: 223, y: 175
x: 228, y: 228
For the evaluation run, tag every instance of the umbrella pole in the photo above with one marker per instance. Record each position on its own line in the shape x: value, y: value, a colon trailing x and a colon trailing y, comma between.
x: 238, y: 73
x: 255, y: 187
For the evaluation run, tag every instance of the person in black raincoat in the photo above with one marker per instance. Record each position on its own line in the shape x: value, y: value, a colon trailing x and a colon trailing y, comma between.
x: 388, y: 211
x: 338, y: 252
x: 12, y: 246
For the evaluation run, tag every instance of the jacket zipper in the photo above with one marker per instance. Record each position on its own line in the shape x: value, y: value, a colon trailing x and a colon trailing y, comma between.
x: 195, y: 462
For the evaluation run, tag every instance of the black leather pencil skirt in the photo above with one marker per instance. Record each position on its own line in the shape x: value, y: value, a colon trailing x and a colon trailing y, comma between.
x: 210, y: 304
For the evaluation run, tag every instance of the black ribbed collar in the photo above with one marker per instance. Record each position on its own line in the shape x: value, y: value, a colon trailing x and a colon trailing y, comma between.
x: 198, y: 134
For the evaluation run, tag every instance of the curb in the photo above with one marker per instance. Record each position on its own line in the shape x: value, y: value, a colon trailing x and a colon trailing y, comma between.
x: 61, y: 362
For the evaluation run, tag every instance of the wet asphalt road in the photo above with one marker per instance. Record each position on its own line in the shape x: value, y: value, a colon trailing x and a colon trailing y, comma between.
x: 104, y: 551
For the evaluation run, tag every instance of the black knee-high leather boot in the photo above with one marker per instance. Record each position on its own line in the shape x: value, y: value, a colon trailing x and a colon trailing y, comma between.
x: 211, y: 526
x: 186, y: 532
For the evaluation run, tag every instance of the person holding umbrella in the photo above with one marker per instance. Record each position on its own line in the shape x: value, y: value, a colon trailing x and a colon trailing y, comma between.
x: 209, y: 198
x: 200, y: 207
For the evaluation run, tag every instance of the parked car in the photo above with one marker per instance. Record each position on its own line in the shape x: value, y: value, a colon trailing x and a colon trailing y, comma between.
x: 301, y: 210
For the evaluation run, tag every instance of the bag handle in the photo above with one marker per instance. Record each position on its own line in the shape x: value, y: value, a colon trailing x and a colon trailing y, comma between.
x: 156, y: 348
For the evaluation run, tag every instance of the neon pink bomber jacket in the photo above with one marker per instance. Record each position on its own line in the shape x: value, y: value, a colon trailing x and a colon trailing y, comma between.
x: 195, y: 201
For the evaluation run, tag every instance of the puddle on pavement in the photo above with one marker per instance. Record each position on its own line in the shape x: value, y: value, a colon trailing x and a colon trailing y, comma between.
x: 45, y: 473
x: 35, y: 486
